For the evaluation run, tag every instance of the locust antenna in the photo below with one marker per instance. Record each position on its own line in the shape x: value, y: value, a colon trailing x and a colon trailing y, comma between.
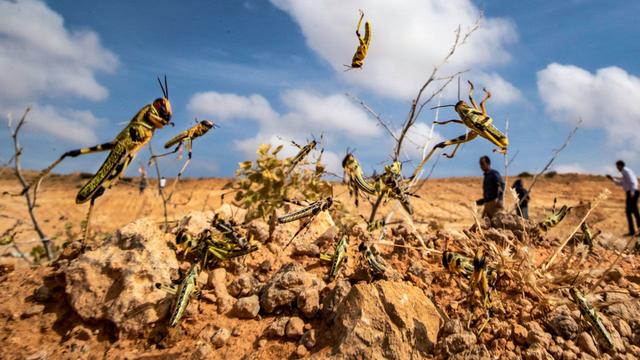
x: 166, y: 86
x: 458, y: 88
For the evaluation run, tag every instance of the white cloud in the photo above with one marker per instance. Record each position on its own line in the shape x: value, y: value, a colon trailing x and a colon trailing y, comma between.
x: 571, y: 168
x: 306, y: 113
x: 502, y: 91
x: 607, y: 99
x: 419, y: 136
x: 408, y: 38
x: 41, y: 59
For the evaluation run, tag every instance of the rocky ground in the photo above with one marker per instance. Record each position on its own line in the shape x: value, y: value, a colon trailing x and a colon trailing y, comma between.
x: 100, y: 300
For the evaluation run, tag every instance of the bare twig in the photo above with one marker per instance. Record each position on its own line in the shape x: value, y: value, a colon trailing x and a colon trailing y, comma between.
x: 31, y: 202
x: 417, y: 105
x: 160, y: 189
x: 553, y: 158
x: 374, y: 114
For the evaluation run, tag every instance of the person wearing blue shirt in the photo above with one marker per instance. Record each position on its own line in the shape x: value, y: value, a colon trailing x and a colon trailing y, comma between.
x: 492, y: 189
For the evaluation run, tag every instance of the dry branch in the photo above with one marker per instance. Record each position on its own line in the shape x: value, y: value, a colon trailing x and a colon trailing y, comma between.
x: 31, y: 201
x: 553, y: 158
x: 165, y: 200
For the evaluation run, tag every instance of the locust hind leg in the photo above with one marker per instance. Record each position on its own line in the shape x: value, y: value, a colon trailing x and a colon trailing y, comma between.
x: 165, y: 154
x: 87, y: 222
x: 482, y: 103
x: 175, y: 182
x: 72, y: 153
x: 457, y: 142
x: 359, y: 24
x: 473, y: 102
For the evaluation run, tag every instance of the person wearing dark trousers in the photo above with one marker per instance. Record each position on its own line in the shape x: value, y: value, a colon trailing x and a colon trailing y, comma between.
x: 629, y: 183
x: 492, y: 189
x: 523, y: 199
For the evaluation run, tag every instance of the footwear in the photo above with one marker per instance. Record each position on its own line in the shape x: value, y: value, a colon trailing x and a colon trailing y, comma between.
x: 629, y: 234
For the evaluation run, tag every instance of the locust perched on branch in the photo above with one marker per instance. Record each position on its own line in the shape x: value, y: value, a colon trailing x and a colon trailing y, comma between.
x: 354, y: 178
x: 123, y: 150
x: 476, y: 120
x: 186, y: 138
x: 363, y: 44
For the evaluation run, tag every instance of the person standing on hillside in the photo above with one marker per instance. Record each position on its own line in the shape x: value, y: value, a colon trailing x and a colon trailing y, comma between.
x: 629, y: 183
x: 523, y: 199
x: 492, y: 189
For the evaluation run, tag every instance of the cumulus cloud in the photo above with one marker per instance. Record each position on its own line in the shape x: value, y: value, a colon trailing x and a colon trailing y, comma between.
x: 409, y: 38
x: 40, y: 57
x: 41, y: 60
x: 306, y: 113
x: 607, y: 99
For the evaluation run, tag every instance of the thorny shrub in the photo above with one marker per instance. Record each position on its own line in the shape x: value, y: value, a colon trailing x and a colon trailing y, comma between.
x: 265, y: 184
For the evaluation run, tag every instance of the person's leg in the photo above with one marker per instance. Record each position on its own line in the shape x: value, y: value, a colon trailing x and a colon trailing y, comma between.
x: 628, y: 211
x: 634, y: 209
x: 525, y: 212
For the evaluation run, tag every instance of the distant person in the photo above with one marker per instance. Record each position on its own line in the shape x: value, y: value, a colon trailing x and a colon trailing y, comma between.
x: 523, y: 199
x: 163, y: 183
x: 492, y: 189
x: 629, y: 183
x: 143, y: 184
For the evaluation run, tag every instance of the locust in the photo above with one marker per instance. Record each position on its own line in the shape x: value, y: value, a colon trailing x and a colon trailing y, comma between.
x: 225, y: 251
x: 184, y: 291
x: 226, y: 229
x: 391, y: 184
x: 355, y: 179
x: 555, y: 218
x: 590, y: 315
x: 338, y: 257
x: 186, y: 138
x: 482, y: 277
x: 303, y: 152
x: 478, y: 122
x: 587, y: 237
x: 374, y: 263
x: 122, y: 150
x: 457, y: 264
x: 310, y: 211
x: 363, y: 44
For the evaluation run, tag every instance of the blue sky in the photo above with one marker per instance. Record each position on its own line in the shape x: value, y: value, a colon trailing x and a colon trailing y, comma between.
x: 272, y: 70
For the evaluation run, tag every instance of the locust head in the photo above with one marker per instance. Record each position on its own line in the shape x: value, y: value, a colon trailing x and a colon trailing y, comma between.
x: 162, y: 106
x: 207, y: 124
x: 463, y: 109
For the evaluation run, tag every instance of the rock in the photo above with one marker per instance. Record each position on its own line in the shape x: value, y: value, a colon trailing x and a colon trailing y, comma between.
x: 537, y: 352
x: 453, y: 326
x: 247, y: 307
x: 194, y: 223
x: 459, y: 342
x: 202, y: 351
x: 564, y: 325
x: 555, y: 351
x: 262, y: 343
x: 309, y: 302
x: 569, y: 355
x: 295, y: 328
x: 623, y: 328
x: 614, y: 275
x: 218, y: 282
x: 244, y: 285
x: 220, y: 337
x: 496, y: 235
x: 586, y: 344
x: 285, y: 286
x: 385, y: 319
x: 520, y: 334
x: 508, y: 221
x: 334, y: 298
x: 309, y: 339
x: 32, y: 310
x: 258, y: 230
x: 231, y: 213
x: 301, y: 351
x: 42, y: 294
x: 277, y: 327
x: 119, y: 277
x: 304, y: 249
x: 476, y: 352
x: 538, y: 336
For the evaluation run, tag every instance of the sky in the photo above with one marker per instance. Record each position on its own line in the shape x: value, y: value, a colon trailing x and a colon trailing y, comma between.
x: 273, y: 71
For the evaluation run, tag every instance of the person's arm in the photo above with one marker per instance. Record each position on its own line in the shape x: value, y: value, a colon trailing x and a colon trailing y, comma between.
x: 615, y: 180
